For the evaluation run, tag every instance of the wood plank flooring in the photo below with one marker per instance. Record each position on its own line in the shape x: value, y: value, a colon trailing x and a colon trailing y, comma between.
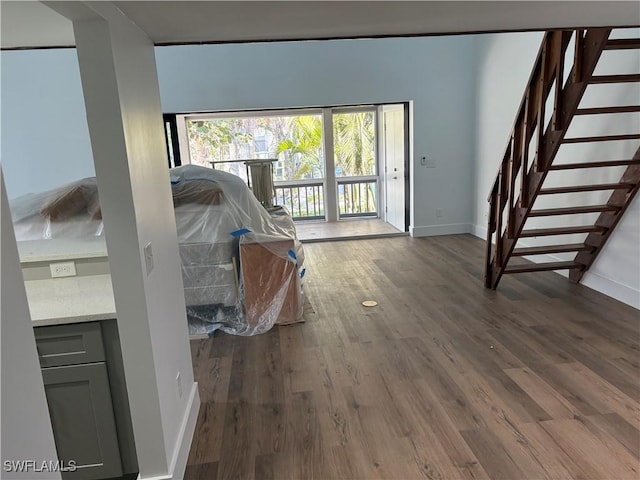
x: 442, y: 380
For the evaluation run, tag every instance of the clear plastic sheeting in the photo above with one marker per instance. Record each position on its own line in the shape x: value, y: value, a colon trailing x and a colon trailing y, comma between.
x: 71, y: 211
x: 242, y: 266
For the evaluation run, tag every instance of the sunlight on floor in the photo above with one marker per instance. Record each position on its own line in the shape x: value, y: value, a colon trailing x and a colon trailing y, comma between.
x: 316, y: 231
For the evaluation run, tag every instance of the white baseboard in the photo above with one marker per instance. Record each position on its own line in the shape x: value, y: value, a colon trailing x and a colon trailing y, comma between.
x: 435, y: 230
x: 479, y: 231
x: 185, y: 436
x: 611, y: 288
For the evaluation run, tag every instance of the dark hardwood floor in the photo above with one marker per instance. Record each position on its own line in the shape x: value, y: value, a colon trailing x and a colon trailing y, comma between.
x: 442, y: 380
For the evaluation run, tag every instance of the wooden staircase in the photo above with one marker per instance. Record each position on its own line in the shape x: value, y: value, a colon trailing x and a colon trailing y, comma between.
x: 520, y: 179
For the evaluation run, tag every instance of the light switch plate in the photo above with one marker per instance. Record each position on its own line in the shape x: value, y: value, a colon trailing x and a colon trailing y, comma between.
x: 148, y: 257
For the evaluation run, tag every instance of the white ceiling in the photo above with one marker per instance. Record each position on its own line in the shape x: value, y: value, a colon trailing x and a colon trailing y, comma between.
x: 32, y: 24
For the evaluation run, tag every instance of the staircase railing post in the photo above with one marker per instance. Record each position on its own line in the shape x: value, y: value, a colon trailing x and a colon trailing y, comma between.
x: 524, y: 167
x: 578, y: 57
x: 499, y: 216
x: 491, y: 228
x: 559, y: 74
x: 540, y: 106
x: 513, y: 172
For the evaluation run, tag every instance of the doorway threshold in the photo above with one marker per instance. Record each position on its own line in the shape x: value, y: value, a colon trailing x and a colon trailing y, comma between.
x: 352, y: 229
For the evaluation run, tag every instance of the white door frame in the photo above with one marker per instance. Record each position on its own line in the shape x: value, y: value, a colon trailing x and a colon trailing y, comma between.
x: 382, y: 109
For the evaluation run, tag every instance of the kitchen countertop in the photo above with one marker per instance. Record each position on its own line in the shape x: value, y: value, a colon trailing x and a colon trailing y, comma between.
x: 60, y: 301
x: 61, y: 249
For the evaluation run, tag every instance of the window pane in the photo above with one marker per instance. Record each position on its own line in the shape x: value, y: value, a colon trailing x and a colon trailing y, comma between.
x: 295, y: 140
x: 354, y: 144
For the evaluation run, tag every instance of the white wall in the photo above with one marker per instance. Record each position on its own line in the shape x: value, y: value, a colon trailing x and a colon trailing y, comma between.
x: 26, y: 426
x: 436, y: 73
x: 504, y: 63
x: 45, y: 141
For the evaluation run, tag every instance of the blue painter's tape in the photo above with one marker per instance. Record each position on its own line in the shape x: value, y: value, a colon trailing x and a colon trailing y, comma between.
x: 302, y: 273
x: 240, y: 232
x: 292, y: 254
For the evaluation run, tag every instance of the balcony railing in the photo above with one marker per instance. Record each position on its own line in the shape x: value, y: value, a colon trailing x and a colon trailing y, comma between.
x: 358, y: 196
x: 303, y: 198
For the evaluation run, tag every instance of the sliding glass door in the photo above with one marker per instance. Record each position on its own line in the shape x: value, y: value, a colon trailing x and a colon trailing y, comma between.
x: 312, y: 185
x: 293, y: 138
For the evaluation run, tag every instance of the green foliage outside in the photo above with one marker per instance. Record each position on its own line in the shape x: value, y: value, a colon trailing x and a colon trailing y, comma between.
x: 297, y: 142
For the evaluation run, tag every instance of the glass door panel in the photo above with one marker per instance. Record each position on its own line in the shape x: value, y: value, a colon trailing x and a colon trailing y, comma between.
x: 295, y: 140
x: 355, y: 163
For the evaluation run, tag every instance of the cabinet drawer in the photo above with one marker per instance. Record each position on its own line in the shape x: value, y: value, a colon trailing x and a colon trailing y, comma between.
x: 62, y: 345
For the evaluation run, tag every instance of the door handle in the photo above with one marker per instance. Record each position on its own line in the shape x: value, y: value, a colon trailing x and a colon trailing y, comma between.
x: 395, y: 178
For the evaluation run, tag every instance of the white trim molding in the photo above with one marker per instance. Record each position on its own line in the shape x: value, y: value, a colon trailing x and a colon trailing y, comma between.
x: 185, y: 437
x: 611, y: 288
x: 435, y: 230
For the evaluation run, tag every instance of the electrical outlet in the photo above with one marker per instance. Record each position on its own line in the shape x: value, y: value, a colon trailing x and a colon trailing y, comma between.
x: 423, y: 161
x: 148, y: 257
x: 438, y: 212
x: 179, y: 382
x: 62, y: 269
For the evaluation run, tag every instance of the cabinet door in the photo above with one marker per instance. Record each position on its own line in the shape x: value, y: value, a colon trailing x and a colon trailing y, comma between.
x: 82, y: 419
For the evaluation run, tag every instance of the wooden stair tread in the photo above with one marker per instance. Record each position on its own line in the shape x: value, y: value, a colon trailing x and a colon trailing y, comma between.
x: 598, y: 79
x: 541, y: 267
x: 603, y: 138
x: 544, y: 249
x: 607, y: 163
x: 586, y: 188
x: 605, y: 110
x: 541, y: 232
x: 622, y: 44
x: 573, y: 210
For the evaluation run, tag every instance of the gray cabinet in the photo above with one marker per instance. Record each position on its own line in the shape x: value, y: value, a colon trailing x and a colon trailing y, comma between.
x: 78, y: 393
